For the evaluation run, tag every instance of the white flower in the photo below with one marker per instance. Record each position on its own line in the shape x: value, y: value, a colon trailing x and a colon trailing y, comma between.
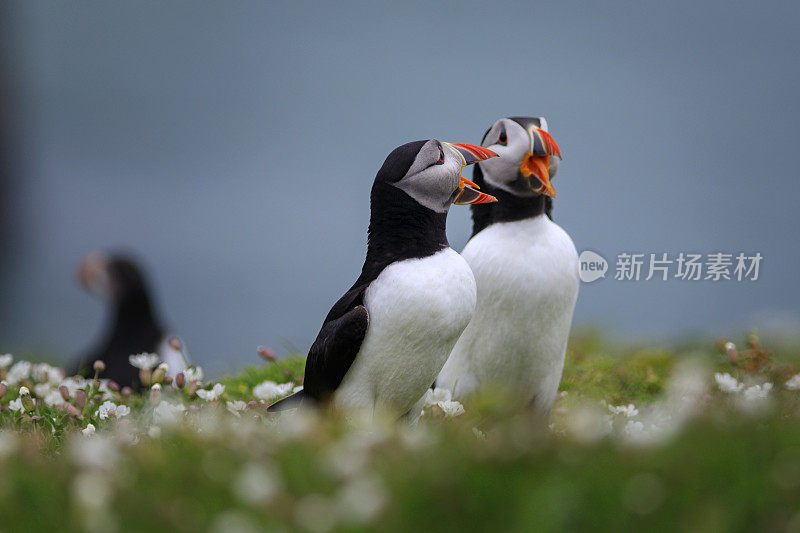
x: 53, y: 398
x: 167, y: 413
x: 451, y: 408
x: 106, y: 409
x: 793, y: 383
x: 434, y: 396
x: 122, y: 410
x: 21, y: 370
x: 144, y: 361
x: 193, y: 373
x: 757, y: 392
x: 728, y: 383
x: 236, y: 406
x: 628, y: 410
x: 5, y: 360
x: 74, y: 384
x: 23, y: 391
x: 269, y: 390
x: 213, y: 394
x: 297, y: 389
x: 16, y: 405
x: 89, y: 430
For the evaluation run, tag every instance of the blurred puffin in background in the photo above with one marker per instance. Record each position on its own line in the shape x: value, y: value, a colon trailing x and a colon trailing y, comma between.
x: 526, y: 270
x: 132, y: 326
x: 384, y: 342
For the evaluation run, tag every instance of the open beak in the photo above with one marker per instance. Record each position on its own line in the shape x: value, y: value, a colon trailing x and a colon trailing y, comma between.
x: 537, y: 160
x: 468, y: 192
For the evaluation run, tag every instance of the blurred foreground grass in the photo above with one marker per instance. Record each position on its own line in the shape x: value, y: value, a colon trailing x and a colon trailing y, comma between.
x: 685, y: 455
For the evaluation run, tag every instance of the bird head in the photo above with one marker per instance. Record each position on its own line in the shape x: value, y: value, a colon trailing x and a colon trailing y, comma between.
x: 528, y: 156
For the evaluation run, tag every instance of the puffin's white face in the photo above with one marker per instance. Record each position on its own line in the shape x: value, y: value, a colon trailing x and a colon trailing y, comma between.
x: 434, y: 178
x: 526, y: 163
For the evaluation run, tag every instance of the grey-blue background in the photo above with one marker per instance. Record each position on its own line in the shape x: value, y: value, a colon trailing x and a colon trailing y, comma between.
x: 233, y: 146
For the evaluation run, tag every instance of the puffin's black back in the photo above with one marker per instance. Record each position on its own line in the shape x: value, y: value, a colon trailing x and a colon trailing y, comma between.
x: 132, y: 326
x: 399, y: 228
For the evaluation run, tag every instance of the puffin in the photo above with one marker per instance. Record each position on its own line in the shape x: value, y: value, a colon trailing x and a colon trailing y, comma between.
x: 526, y: 271
x: 385, y: 340
x: 133, y: 326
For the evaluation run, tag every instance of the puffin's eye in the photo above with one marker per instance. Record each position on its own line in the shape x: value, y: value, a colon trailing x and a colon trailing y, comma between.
x: 441, y: 157
x: 503, y: 139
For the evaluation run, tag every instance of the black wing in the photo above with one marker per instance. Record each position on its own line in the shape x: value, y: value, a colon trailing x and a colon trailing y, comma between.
x: 337, y: 345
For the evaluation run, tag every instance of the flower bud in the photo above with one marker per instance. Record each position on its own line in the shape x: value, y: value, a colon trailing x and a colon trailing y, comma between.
x: 113, y: 385
x: 80, y: 398
x: 144, y: 377
x: 3, y: 389
x: 27, y: 402
x: 159, y: 373
x: 126, y: 391
x: 155, y: 393
x: 99, y: 366
x: 267, y: 354
x: 64, y: 392
x: 180, y: 380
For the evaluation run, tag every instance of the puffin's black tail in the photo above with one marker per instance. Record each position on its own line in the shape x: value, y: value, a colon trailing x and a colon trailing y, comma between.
x: 290, y: 402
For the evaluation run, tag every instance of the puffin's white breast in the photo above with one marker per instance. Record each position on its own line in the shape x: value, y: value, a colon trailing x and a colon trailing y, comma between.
x: 417, y: 310
x: 527, y: 277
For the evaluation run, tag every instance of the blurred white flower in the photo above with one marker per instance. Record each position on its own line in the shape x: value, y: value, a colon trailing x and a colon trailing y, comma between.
x: 362, y: 499
x: 480, y: 435
x: 46, y: 373
x: 167, y: 414
x: 236, y: 406
x: 99, y: 452
x: 5, y: 360
x: 144, y: 361
x: 629, y: 410
x: 256, y: 484
x: 41, y: 389
x: 16, y: 405
x: 8, y: 443
x: 633, y: 428
x: 757, y: 392
x: 108, y: 409
x: 19, y: 371
x: 154, y: 432
x: 213, y: 394
x: 297, y: 389
x: 193, y: 373
x: 728, y: 383
x: 89, y: 430
x: 269, y: 390
x: 451, y: 408
x: 434, y: 396
x: 793, y: 383
x: 23, y: 391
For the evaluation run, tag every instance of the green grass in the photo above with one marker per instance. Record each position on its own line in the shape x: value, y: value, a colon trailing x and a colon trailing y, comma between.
x: 731, y: 465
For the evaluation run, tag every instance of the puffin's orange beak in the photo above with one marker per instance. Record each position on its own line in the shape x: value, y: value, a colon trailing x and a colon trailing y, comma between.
x: 467, y: 191
x: 537, y: 160
x: 470, y: 195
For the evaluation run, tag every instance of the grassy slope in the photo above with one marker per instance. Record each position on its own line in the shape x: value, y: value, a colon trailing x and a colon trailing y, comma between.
x: 725, y: 471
